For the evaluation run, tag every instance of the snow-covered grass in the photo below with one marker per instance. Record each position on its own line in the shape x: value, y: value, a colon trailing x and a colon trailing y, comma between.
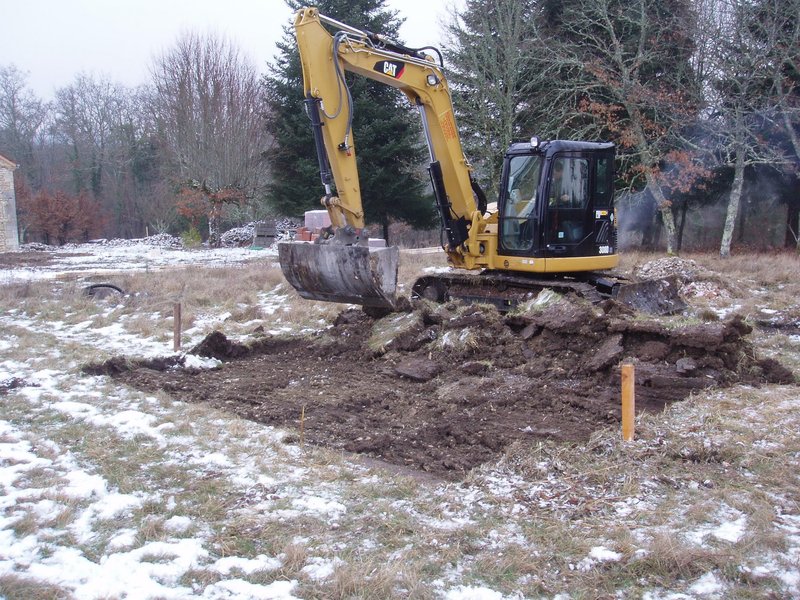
x: 109, y: 492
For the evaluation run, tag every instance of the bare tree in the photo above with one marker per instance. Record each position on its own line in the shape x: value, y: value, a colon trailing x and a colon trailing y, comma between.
x: 22, y: 116
x: 739, y: 76
x: 207, y: 103
x: 778, y: 25
x: 491, y: 63
x: 102, y: 143
x: 89, y: 112
x: 620, y: 69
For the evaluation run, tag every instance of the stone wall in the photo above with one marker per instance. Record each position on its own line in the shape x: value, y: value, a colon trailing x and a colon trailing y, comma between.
x: 9, y: 238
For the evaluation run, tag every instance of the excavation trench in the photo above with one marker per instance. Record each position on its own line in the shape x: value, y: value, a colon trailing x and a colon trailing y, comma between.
x: 447, y: 387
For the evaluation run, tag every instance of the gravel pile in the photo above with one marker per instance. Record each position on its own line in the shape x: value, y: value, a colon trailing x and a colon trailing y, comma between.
x: 244, y: 235
x: 233, y: 238
x: 705, y: 289
x: 239, y: 236
x: 36, y: 247
x: 160, y: 240
x: 284, y: 226
x: 686, y: 270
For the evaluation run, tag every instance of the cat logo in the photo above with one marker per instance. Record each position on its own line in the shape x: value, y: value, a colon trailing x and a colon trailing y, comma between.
x: 392, y: 68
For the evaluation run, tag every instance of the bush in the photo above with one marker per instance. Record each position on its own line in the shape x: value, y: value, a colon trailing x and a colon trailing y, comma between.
x: 191, y: 238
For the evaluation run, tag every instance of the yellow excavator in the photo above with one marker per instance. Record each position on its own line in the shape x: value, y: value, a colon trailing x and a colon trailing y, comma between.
x: 554, y: 223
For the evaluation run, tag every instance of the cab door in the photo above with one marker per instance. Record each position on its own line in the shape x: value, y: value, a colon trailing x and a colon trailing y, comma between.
x: 521, y: 205
x: 605, y: 229
x: 568, y: 221
x: 579, y: 218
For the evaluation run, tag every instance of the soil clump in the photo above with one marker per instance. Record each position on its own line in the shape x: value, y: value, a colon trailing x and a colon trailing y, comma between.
x: 444, y: 388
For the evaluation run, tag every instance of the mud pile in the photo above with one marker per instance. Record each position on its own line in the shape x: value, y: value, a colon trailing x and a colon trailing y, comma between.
x: 446, y: 387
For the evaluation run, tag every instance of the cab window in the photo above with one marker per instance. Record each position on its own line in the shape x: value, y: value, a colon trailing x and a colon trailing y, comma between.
x: 569, y: 183
x: 520, y: 206
x: 602, y: 185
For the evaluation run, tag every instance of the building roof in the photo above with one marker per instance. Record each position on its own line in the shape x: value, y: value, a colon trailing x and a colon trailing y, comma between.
x: 7, y: 163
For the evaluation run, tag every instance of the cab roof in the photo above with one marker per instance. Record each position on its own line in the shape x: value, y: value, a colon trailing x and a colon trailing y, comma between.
x: 551, y: 147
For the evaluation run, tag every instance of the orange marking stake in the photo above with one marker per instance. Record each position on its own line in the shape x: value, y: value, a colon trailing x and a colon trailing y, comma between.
x: 628, y: 402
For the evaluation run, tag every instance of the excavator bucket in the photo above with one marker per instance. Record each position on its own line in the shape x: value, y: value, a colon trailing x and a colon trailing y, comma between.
x: 656, y: 296
x: 338, y: 273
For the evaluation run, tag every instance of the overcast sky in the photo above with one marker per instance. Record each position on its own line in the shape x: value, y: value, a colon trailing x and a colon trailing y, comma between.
x: 54, y: 40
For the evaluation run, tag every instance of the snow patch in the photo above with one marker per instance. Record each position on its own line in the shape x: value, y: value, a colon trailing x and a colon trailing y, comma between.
x: 707, y: 585
x: 465, y: 592
x: 248, y: 566
x: 598, y: 554
x: 319, y: 568
x: 241, y: 589
x: 192, y: 361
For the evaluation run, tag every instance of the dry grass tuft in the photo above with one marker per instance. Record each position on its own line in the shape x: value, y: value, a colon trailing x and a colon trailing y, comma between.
x: 16, y: 293
x: 25, y: 524
x: 293, y: 557
x: 17, y: 587
x: 361, y: 579
x: 667, y: 557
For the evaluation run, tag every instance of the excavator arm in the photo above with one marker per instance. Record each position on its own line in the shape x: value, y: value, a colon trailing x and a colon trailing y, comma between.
x: 325, y: 58
x: 328, y: 271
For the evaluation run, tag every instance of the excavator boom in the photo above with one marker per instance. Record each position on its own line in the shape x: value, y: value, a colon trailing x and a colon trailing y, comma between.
x: 341, y: 267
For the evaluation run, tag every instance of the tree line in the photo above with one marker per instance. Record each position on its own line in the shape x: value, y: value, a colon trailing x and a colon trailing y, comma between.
x: 104, y: 159
x: 702, y: 98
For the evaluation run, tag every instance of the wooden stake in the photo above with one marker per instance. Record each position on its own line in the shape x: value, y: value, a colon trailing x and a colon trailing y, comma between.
x: 628, y: 402
x: 176, y: 327
x: 302, y: 423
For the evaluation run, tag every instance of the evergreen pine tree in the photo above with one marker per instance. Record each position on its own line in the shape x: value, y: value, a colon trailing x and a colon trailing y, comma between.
x: 391, y: 155
x: 489, y: 70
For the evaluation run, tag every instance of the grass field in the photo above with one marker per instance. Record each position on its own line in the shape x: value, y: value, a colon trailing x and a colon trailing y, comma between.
x: 108, y: 492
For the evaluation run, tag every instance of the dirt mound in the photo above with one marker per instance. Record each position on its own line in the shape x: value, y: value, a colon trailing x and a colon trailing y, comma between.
x: 446, y: 387
x: 13, y: 383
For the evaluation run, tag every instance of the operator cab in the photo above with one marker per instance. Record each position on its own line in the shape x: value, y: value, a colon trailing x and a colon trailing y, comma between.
x: 556, y: 200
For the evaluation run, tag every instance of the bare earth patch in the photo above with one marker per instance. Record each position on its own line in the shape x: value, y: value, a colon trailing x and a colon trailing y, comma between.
x: 19, y: 260
x: 446, y: 388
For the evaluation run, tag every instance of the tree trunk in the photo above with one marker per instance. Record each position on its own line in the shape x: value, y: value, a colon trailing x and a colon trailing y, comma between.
x: 733, y: 205
x: 214, y: 225
x: 665, y: 208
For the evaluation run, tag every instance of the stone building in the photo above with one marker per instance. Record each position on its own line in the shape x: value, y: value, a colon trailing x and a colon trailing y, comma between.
x: 9, y: 238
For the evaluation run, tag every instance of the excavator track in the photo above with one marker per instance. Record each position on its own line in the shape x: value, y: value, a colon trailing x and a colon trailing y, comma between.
x: 506, y: 291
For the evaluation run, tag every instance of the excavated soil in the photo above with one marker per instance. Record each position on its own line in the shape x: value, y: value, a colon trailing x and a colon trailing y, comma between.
x: 445, y: 388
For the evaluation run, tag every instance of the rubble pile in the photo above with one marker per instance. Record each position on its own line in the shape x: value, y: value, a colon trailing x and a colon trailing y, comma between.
x: 686, y: 270
x: 159, y: 240
x: 239, y: 237
x: 244, y: 235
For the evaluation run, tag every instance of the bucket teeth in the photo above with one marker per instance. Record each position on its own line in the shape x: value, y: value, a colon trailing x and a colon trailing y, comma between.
x: 338, y: 273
